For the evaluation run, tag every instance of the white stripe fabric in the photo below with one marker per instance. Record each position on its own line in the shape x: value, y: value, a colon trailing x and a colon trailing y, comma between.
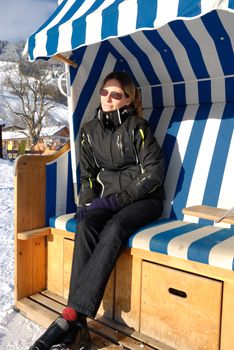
x: 166, y: 12
x: 207, y: 47
x: 206, y: 150
x: 222, y: 255
x: 62, y: 176
x: 163, y: 124
x: 61, y: 221
x: 178, y: 246
x: 192, y: 93
x: 132, y: 61
x: 174, y: 167
x: 41, y: 36
x: 154, y: 57
x: 61, y: 181
x: 179, y: 52
x: 127, y: 17
x: 227, y: 21
x: 94, y: 20
x: 143, y: 238
x: 227, y: 201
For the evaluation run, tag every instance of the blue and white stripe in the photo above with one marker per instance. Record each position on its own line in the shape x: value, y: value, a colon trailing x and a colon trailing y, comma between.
x: 204, y: 244
x: 59, y: 187
x: 185, y: 71
x: 78, y: 23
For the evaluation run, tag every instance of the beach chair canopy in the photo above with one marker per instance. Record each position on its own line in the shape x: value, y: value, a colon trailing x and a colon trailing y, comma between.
x: 179, y: 52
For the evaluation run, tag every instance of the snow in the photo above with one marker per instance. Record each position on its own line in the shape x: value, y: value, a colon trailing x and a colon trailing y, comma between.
x: 16, y: 332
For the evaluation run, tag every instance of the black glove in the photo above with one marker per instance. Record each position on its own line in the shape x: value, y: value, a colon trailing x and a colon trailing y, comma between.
x: 105, y: 203
x: 80, y: 212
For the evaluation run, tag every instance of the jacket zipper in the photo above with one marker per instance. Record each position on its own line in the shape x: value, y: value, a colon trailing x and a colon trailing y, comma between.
x: 119, y: 144
x: 102, y: 184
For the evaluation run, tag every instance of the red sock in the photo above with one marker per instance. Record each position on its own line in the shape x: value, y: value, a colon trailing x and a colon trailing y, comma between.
x: 69, y: 314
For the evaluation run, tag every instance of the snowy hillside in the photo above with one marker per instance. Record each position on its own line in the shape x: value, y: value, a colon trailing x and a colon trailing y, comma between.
x: 56, y: 116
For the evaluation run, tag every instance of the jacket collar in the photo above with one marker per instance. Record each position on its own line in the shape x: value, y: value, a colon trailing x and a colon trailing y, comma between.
x: 115, y: 118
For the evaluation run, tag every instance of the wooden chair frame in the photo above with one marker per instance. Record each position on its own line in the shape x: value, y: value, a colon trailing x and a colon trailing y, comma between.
x: 43, y: 257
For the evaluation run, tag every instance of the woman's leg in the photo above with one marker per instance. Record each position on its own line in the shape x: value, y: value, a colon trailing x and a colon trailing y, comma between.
x: 100, y: 240
x: 100, y: 244
x: 86, y: 239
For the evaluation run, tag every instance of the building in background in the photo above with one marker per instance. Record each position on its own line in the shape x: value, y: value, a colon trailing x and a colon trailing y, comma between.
x: 16, y: 141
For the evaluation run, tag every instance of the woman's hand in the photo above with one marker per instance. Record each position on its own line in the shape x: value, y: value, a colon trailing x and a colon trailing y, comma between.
x: 110, y: 203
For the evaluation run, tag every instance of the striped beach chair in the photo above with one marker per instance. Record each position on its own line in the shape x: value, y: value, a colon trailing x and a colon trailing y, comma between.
x: 174, y: 283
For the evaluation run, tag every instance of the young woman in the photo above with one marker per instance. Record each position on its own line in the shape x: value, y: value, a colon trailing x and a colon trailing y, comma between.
x: 122, y: 170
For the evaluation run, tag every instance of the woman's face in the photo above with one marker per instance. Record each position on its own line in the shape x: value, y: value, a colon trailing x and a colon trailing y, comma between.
x: 113, y: 96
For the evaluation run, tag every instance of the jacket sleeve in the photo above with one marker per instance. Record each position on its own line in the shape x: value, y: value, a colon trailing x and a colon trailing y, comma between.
x: 90, y: 188
x: 151, y: 161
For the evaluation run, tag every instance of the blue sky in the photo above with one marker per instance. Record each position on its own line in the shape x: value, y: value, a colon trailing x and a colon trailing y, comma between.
x: 20, y: 18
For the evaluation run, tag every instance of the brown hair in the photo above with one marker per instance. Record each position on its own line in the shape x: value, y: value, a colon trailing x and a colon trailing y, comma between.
x: 128, y: 87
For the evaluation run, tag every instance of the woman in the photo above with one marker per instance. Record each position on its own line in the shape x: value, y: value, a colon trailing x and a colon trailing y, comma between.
x: 122, y: 171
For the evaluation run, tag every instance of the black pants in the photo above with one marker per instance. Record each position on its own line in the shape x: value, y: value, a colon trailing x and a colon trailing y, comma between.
x: 101, y: 238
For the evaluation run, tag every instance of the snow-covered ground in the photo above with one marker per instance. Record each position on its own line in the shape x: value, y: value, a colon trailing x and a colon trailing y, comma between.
x: 16, y: 332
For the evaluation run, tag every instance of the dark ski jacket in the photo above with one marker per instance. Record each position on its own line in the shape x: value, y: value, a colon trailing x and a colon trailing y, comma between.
x: 120, y: 156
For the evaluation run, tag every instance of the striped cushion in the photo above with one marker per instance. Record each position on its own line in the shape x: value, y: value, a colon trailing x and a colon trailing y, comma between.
x: 205, y: 244
x: 59, y: 187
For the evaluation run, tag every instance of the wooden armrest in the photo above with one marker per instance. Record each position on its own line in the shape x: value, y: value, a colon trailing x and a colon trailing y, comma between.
x: 40, y: 232
x: 210, y: 213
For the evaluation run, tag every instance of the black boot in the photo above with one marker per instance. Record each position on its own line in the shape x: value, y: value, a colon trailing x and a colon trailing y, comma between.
x: 77, y: 338
x: 53, y: 335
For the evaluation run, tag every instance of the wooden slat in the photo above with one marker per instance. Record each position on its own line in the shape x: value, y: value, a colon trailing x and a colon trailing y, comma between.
x: 49, y: 303
x: 23, y: 268
x: 183, y: 264
x: 36, y: 312
x: 63, y: 233
x: 54, y: 297
x: 227, y: 334
x: 209, y: 213
x: 120, y: 338
x: 67, y: 255
x: 38, y: 264
x: 143, y: 339
x: 128, y: 291
x: 99, y: 342
x: 40, y: 232
x: 44, y: 317
x: 55, y: 266
x: 64, y: 59
x: 45, y: 305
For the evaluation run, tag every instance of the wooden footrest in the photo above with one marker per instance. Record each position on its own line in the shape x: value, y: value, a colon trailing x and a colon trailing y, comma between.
x: 43, y: 308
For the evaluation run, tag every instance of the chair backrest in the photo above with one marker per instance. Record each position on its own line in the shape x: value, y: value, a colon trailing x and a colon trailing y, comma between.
x: 185, y: 71
x: 198, y: 144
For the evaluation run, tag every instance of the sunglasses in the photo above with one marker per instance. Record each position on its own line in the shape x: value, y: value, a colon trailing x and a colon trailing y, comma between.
x: 113, y: 94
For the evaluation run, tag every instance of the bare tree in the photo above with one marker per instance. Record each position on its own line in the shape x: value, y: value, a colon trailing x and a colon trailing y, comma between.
x: 31, y: 85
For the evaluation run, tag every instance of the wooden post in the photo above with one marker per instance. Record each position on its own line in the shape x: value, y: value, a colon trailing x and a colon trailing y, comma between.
x: 1, y: 126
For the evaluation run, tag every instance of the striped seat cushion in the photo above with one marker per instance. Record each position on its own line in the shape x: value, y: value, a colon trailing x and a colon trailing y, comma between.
x: 191, y: 241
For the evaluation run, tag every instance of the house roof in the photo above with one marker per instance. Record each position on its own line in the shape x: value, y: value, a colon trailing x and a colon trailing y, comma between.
x: 46, y: 131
